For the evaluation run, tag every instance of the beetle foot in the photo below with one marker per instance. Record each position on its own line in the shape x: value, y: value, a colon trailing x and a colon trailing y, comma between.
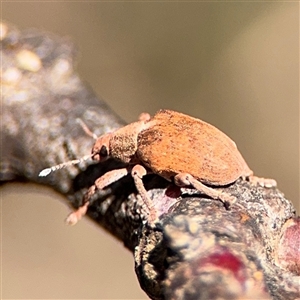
x: 227, y: 199
x: 77, y: 215
x: 263, y: 182
x: 152, y: 218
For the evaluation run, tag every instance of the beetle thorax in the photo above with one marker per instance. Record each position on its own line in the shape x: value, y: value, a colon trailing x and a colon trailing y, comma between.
x: 123, y: 147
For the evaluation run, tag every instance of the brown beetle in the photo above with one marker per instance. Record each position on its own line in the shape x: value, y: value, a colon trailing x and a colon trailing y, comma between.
x: 180, y: 148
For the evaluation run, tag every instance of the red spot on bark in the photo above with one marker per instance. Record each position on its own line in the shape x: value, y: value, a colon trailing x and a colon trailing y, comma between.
x: 173, y: 191
x: 225, y: 260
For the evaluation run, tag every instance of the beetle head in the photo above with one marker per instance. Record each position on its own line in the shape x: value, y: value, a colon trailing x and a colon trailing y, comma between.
x: 100, y: 150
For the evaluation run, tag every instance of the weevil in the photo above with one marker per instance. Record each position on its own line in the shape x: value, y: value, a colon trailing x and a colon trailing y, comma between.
x: 182, y: 149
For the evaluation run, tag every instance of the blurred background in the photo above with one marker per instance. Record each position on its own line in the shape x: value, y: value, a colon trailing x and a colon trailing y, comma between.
x: 234, y: 65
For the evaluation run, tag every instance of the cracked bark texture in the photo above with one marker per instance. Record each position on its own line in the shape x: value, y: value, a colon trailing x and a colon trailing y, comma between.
x: 199, y: 250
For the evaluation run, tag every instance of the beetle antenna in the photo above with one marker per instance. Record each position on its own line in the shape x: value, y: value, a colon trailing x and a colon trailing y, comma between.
x: 86, y: 129
x: 47, y: 171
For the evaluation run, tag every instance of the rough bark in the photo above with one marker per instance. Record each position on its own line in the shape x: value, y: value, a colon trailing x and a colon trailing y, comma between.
x: 199, y: 249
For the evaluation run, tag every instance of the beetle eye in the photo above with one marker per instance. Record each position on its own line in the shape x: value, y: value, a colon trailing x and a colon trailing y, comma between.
x: 103, y: 151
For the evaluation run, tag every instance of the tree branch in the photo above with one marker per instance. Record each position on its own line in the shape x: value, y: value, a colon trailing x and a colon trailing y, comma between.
x: 199, y: 250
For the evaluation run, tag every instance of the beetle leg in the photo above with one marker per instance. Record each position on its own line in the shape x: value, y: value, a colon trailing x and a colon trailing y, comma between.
x: 86, y: 129
x: 185, y: 179
x: 137, y: 173
x: 103, y: 181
